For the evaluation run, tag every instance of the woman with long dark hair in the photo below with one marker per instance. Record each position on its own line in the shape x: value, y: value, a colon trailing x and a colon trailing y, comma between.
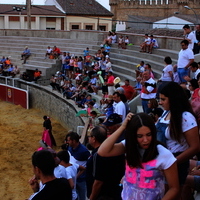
x: 148, y: 162
x: 182, y: 137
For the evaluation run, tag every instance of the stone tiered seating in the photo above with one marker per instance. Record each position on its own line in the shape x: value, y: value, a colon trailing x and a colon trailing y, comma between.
x: 124, y: 61
x: 38, y: 48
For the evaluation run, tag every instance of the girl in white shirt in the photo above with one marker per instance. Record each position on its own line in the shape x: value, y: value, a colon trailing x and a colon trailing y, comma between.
x: 182, y: 133
x: 148, y: 162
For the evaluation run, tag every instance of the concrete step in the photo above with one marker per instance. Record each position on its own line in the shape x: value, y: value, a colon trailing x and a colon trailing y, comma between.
x: 53, y: 41
x: 43, y: 45
x: 132, y: 64
x: 36, y: 52
x: 131, y: 72
x: 134, y: 48
x: 142, y: 56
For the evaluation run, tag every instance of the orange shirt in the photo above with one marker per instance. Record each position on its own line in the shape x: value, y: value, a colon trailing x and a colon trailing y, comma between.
x: 37, y: 74
x: 7, y: 62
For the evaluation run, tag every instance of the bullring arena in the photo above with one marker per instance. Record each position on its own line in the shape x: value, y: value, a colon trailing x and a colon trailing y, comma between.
x: 21, y: 129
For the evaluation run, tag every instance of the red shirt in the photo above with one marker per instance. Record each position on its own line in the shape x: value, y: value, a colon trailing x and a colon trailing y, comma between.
x: 128, y: 91
x: 57, y: 50
x: 37, y: 74
x: 111, y: 79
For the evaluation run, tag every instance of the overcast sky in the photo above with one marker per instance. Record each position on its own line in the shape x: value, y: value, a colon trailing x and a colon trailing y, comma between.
x: 105, y: 3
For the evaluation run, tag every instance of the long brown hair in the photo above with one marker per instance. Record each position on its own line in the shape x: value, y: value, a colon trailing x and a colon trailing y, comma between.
x: 178, y: 103
x: 133, y: 156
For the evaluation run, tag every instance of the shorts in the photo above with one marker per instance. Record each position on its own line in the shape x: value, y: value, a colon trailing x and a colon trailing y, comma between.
x: 182, y: 73
x: 66, y: 66
x: 71, y: 68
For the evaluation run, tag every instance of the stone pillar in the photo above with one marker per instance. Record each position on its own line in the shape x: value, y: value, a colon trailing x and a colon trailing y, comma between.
x: 6, y: 22
x: 58, y: 23
x: 21, y: 22
x: 37, y: 22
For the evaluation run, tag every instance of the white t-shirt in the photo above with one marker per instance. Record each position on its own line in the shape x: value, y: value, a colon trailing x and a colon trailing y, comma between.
x: 147, y: 183
x: 191, y: 37
x: 71, y: 172
x: 108, y: 67
x: 141, y: 68
x: 188, y: 122
x: 120, y: 109
x: 114, y: 38
x: 126, y: 41
x: 165, y: 75
x: 59, y: 172
x: 147, y: 40
x: 150, y: 89
x: 184, y: 57
x: 49, y: 50
x: 155, y: 42
x: 63, y: 59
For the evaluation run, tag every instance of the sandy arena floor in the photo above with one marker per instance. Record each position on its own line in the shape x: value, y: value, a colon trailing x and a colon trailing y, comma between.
x: 20, y: 131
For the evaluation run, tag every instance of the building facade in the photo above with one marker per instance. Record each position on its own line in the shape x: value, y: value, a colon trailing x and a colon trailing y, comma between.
x: 122, y: 9
x: 84, y: 14
x: 42, y: 17
x: 57, y: 15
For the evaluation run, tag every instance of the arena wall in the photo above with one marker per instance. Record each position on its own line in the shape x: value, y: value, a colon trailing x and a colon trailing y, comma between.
x: 52, y: 104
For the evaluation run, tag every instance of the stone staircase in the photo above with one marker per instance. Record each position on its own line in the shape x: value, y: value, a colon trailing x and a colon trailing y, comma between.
x: 38, y: 48
x: 124, y: 61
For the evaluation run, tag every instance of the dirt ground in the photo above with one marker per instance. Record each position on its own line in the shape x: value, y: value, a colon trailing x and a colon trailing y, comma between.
x: 20, y: 132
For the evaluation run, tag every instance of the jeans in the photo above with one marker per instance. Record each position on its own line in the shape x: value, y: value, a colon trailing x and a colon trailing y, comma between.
x: 145, y: 105
x: 161, y: 127
x: 182, y: 72
x: 81, y: 190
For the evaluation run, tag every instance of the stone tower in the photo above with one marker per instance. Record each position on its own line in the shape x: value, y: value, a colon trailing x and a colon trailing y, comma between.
x: 151, y: 8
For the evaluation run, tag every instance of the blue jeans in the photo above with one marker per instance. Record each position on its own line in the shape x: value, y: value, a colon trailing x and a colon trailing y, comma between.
x: 182, y: 72
x: 161, y: 127
x: 145, y: 105
x: 81, y: 190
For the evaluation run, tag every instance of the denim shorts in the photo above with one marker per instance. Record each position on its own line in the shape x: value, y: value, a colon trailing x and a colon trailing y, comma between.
x: 182, y: 72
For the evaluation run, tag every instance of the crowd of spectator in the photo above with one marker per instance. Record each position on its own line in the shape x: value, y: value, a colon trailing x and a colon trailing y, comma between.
x: 172, y: 112
x: 7, y: 68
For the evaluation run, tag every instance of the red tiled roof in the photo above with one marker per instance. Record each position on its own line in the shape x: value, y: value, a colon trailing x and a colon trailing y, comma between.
x: 35, y: 10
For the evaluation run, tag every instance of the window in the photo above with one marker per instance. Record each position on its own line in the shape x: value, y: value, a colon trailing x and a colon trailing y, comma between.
x: 14, y: 18
x: 102, y: 28
x: 47, y: 28
x: 89, y: 27
x: 75, y: 26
